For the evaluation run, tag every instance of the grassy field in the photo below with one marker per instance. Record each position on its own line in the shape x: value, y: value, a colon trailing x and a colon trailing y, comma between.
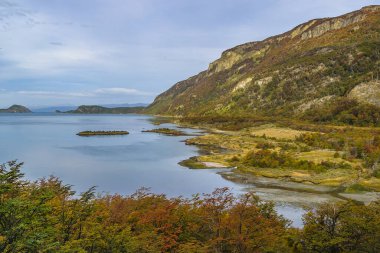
x: 290, y: 153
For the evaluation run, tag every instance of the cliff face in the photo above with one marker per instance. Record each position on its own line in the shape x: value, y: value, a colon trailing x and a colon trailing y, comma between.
x: 286, y: 74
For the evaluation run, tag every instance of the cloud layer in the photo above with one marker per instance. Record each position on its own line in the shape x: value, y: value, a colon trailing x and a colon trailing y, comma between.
x: 127, y: 51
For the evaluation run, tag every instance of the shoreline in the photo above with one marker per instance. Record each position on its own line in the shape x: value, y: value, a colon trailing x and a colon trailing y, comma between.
x: 316, y: 193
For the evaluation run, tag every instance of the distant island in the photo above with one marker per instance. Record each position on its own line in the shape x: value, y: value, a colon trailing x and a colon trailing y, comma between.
x: 96, y: 109
x: 95, y: 133
x: 16, y: 109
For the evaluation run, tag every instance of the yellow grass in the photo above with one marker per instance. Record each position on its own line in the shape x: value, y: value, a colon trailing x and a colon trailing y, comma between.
x: 320, y: 155
x: 373, y: 183
x: 277, y: 132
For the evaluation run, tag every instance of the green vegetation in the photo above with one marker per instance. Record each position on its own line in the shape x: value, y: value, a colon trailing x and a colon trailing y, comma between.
x: 341, y: 228
x: 166, y: 131
x: 192, y: 163
x: 297, y: 151
x: 48, y: 216
x: 96, y: 133
x: 309, y: 73
x: 95, y: 109
x: 357, y: 188
x: 230, y: 123
x: 361, y: 144
x: 346, y: 111
x: 268, y: 159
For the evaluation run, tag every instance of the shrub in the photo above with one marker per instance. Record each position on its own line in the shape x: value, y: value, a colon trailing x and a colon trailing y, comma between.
x: 268, y: 159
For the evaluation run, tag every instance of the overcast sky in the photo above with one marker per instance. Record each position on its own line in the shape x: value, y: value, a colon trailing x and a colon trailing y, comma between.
x: 71, y: 52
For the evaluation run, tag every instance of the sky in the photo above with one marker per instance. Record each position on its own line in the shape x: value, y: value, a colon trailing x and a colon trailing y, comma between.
x: 73, y: 52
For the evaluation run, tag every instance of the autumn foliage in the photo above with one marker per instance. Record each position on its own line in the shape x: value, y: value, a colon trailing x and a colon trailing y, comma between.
x: 48, y: 216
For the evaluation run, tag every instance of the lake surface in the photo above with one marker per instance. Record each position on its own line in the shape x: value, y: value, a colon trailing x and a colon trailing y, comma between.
x: 48, y: 145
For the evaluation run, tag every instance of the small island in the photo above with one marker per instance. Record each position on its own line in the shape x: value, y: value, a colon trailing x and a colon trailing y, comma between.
x: 166, y: 131
x: 101, y: 133
x: 16, y: 109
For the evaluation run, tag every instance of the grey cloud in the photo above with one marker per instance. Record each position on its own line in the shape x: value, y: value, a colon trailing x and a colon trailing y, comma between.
x: 12, y: 14
x: 56, y: 43
x: 147, y: 44
x: 94, y: 93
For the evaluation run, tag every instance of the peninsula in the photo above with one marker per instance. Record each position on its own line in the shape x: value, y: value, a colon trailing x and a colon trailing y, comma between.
x: 166, y: 131
x: 96, y: 109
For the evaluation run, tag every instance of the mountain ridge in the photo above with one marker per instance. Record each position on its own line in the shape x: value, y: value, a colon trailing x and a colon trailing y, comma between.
x: 288, y: 74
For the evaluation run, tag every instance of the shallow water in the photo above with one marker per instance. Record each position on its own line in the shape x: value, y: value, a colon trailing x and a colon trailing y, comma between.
x: 48, y: 145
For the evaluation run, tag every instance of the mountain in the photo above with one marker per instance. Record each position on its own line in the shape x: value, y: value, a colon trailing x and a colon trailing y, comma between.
x: 16, y: 109
x: 54, y: 108
x: 308, y: 72
x: 125, y: 105
x: 96, y: 109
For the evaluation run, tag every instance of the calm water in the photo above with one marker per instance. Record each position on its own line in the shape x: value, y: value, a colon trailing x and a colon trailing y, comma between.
x: 48, y: 145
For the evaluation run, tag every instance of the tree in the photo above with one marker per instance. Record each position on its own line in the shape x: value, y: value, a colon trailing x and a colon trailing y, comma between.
x: 23, y: 211
x: 342, y: 227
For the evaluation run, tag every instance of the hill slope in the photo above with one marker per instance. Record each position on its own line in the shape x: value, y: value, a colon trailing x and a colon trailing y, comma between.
x: 303, y: 73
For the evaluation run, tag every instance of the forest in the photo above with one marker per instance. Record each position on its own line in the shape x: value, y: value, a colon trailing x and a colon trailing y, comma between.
x: 47, y: 215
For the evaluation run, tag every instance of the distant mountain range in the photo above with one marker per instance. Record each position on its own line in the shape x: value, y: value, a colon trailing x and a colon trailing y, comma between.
x: 54, y: 108
x: 323, y: 70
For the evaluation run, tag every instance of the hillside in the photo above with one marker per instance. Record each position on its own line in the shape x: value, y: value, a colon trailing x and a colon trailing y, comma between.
x: 16, y: 109
x: 95, y: 109
x: 323, y: 70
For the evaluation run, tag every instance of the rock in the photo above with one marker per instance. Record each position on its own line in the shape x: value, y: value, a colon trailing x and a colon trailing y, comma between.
x: 367, y: 93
